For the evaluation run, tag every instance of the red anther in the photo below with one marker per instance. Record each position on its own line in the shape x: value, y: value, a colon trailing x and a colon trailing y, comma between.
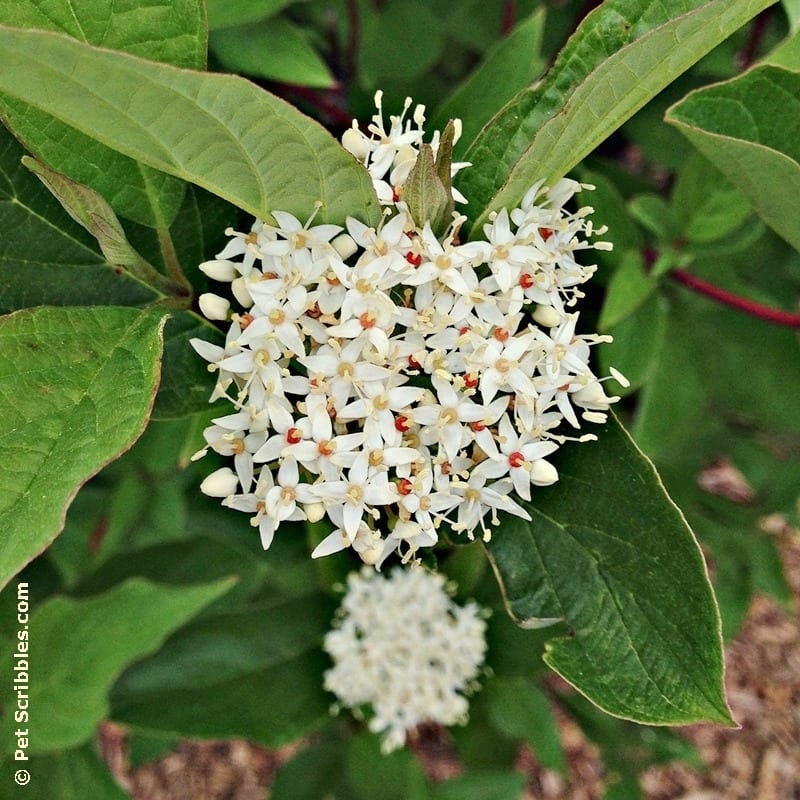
x: 501, y: 334
x: 245, y: 320
x: 464, y: 330
x: 367, y: 320
x: 415, y: 259
x: 545, y: 233
x: 271, y: 276
x: 445, y: 467
x: 404, y: 486
x: 563, y: 388
x: 413, y: 363
x: 516, y: 459
x: 314, y: 311
x: 526, y: 280
x: 477, y: 426
x: 402, y: 423
x: 332, y: 279
x: 294, y: 435
x: 395, y: 195
x: 470, y: 380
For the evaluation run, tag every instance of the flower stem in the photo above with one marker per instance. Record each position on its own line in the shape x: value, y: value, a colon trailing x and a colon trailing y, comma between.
x: 788, y: 319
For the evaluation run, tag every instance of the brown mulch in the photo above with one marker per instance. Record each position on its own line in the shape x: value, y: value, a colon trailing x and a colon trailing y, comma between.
x: 759, y: 761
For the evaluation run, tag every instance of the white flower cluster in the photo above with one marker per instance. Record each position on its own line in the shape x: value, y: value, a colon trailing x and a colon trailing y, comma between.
x: 392, y: 379
x: 415, y: 653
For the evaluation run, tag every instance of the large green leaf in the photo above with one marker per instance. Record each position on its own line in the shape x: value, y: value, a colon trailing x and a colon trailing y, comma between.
x: 747, y: 129
x: 609, y: 553
x: 255, y: 673
x: 511, y: 65
x: 219, y: 131
x: 76, y: 388
x: 174, y: 33
x: 78, y: 647
x: 623, y: 54
x: 50, y: 259
x: 275, y: 49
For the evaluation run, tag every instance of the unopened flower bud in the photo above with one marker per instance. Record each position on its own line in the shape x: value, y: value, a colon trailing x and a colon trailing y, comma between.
x: 543, y: 473
x: 219, y: 270
x: 213, y: 306
x: 356, y: 143
x: 372, y: 554
x: 241, y: 292
x: 344, y: 245
x: 221, y: 483
x: 314, y: 511
x: 546, y: 316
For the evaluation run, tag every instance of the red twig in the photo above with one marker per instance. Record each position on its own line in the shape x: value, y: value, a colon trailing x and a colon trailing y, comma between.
x: 509, y: 17
x: 786, y: 318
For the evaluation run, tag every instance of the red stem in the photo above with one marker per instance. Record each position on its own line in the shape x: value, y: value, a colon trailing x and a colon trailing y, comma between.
x: 509, y: 15
x: 786, y: 318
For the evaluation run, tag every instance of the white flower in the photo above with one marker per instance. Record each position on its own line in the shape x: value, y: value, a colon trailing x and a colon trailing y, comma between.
x: 393, y: 378
x: 403, y: 648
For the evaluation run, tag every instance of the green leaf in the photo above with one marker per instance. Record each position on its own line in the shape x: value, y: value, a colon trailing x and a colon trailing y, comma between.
x: 520, y: 710
x: 186, y: 385
x: 90, y: 210
x: 610, y: 554
x: 637, y: 342
x: 76, y: 388
x: 255, y: 673
x: 390, y: 776
x: 512, y: 64
x: 706, y: 206
x: 173, y: 33
x: 74, y: 774
x: 653, y: 213
x: 745, y: 127
x: 78, y: 647
x: 218, y: 131
x: 629, y: 288
x: 481, y: 785
x: 226, y: 13
x: 50, y: 259
x: 315, y: 772
x: 623, y: 54
x: 275, y: 49
x: 399, y: 41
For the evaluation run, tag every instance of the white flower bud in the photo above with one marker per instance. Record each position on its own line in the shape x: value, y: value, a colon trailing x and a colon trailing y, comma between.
x: 592, y: 396
x: 213, y: 306
x: 372, y: 554
x: 314, y: 511
x: 546, y: 316
x: 344, y: 245
x: 543, y: 473
x: 241, y: 292
x: 221, y: 483
x: 356, y: 143
x: 219, y: 270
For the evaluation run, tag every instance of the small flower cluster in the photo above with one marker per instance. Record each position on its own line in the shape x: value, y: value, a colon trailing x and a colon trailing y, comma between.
x: 414, y: 651
x: 393, y: 379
